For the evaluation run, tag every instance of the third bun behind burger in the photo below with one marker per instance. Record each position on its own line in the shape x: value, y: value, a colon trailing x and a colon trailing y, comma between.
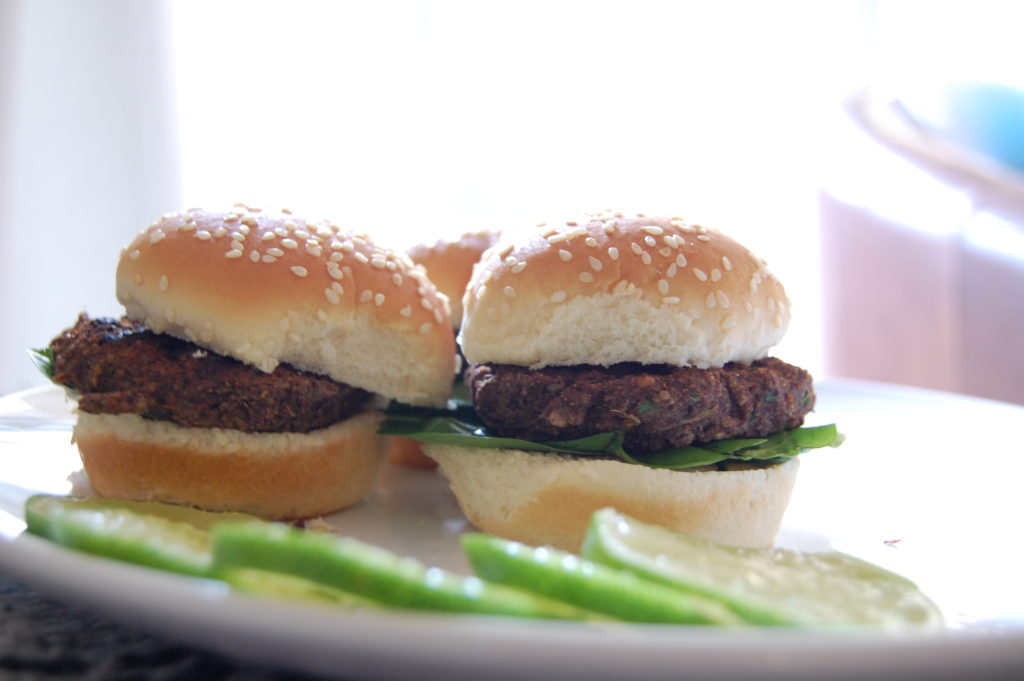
x: 651, y: 327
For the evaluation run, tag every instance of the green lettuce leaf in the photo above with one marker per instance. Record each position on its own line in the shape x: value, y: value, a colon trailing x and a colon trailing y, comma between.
x: 460, y: 425
x: 44, y: 360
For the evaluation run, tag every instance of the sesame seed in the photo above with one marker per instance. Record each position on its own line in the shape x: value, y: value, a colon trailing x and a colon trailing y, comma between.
x: 519, y: 267
x: 426, y: 304
x: 163, y: 283
x: 509, y: 292
x: 281, y: 232
x: 202, y: 235
x: 187, y: 227
x: 486, y: 277
x: 334, y: 271
x: 723, y: 298
x: 300, y: 271
x: 347, y: 246
x: 650, y: 241
x: 134, y: 255
x: 276, y: 252
x: 566, y: 256
x: 681, y: 260
x: 558, y: 297
x: 480, y: 291
x: 710, y: 300
x: 377, y: 262
x: 438, y: 317
x: 366, y: 296
x: 663, y: 286
x: 555, y: 238
x: 671, y: 271
x: 336, y: 287
x: 378, y: 299
x: 595, y: 264
x: 249, y: 220
x: 510, y: 261
x: 157, y: 235
x: 726, y: 263
x: 728, y: 322
x: 613, y: 253
x: 289, y: 243
x: 396, y: 278
x: 314, y: 249
x: 670, y: 240
x: 254, y: 256
x: 337, y: 257
x: 586, y: 277
x: 665, y: 251
x: 636, y: 248
x: 269, y: 259
x: 234, y: 253
x: 716, y: 274
x: 590, y: 241
x: 699, y: 273
x: 425, y: 328
x: 406, y: 311
x: 268, y: 236
x: 321, y: 315
x: 646, y: 258
x: 219, y: 232
x: 654, y: 230
x: 703, y: 237
x: 300, y: 233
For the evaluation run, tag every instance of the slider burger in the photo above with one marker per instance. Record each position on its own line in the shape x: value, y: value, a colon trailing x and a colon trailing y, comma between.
x: 449, y: 264
x: 246, y: 373
x: 623, y: 361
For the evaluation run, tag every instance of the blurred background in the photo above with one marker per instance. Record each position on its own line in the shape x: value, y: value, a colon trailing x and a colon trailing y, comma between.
x: 871, y: 151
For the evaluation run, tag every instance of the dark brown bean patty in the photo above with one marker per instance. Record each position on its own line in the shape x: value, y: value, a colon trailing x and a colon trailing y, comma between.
x: 120, y: 367
x: 656, y: 406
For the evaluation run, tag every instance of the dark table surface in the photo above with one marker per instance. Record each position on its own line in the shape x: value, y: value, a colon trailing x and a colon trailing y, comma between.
x: 42, y: 638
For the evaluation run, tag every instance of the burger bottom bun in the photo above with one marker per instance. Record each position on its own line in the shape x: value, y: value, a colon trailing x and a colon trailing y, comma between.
x: 548, y: 499
x: 273, y: 475
x: 405, y: 452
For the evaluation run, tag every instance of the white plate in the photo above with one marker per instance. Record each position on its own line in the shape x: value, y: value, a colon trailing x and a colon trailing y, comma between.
x: 926, y: 484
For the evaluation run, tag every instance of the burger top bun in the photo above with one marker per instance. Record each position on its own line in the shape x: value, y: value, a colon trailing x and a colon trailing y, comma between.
x: 449, y: 264
x: 271, y: 288
x: 608, y: 288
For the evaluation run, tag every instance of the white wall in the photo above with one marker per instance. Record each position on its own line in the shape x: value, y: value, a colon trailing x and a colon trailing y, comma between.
x: 406, y: 118
x: 88, y: 158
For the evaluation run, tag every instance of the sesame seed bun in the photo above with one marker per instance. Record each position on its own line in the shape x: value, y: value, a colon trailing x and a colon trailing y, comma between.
x: 604, y: 289
x: 270, y: 288
x: 272, y: 475
x: 449, y: 264
x: 547, y: 499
